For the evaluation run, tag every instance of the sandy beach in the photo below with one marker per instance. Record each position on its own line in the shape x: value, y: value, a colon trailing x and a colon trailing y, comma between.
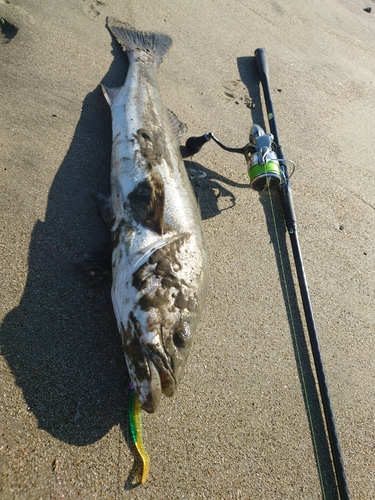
x: 245, y: 419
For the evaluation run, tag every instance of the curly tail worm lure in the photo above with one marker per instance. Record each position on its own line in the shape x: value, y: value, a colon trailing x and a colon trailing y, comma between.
x: 135, y: 421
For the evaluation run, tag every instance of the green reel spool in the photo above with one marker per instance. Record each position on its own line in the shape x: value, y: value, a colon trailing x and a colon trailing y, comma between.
x: 265, y: 176
x: 262, y: 163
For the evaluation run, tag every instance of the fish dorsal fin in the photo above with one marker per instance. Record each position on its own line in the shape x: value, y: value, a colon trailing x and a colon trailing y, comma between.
x: 147, y: 202
x: 110, y: 94
x: 179, y: 128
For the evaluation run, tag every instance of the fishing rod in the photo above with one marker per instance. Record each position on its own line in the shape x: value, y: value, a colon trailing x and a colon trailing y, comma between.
x: 268, y: 169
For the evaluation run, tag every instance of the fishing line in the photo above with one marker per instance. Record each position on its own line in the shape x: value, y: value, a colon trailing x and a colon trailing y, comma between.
x: 294, y: 333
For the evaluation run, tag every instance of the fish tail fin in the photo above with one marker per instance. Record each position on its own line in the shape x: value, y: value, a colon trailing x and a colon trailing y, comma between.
x: 130, y: 39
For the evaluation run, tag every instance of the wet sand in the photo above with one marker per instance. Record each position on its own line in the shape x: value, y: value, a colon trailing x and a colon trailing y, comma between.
x: 244, y: 421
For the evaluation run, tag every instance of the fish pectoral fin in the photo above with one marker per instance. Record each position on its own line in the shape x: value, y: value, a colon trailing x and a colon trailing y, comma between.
x: 105, y: 208
x: 147, y: 202
x: 179, y: 128
x: 110, y: 94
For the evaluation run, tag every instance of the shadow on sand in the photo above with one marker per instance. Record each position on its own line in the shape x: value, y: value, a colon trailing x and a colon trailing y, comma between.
x: 61, y: 342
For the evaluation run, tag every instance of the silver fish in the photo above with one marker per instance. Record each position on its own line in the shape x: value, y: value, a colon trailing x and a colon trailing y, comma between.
x: 159, y: 261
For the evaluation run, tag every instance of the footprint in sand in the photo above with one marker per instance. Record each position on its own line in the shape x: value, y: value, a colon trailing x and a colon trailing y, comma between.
x: 237, y: 92
x: 92, y: 7
x: 7, y: 30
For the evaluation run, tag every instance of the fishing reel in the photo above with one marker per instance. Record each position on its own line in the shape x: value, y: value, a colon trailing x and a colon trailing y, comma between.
x: 265, y: 169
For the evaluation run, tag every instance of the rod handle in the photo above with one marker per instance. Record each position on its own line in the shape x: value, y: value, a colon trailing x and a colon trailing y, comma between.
x: 262, y: 65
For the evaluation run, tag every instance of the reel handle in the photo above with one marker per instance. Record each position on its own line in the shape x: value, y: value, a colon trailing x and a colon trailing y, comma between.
x: 194, y: 144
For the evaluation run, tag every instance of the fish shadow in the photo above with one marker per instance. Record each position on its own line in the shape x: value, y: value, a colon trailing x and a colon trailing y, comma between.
x: 278, y: 236
x: 61, y: 342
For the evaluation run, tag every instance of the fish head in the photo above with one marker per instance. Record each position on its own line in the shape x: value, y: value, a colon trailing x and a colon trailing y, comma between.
x: 169, y: 291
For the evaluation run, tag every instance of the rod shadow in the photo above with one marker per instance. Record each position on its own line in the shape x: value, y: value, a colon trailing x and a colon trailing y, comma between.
x: 276, y: 230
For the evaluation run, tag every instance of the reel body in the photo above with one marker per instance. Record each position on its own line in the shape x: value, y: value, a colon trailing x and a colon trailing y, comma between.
x: 262, y: 163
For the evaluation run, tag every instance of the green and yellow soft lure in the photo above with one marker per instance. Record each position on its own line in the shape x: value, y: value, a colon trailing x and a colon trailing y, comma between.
x: 135, y: 421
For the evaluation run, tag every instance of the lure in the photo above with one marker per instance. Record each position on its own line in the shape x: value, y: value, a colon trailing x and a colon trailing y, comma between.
x: 135, y: 421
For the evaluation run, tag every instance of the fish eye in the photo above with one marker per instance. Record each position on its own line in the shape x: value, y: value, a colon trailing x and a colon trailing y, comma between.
x: 181, y: 336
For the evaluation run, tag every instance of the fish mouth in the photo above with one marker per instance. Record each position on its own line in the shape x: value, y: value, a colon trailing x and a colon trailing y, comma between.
x: 151, y: 367
x: 159, y: 367
x: 161, y: 382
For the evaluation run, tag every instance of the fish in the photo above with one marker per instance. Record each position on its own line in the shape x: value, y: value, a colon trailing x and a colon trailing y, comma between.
x: 159, y: 255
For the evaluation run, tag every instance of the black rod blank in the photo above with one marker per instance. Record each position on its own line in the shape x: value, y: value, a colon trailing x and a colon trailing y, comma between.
x: 285, y: 193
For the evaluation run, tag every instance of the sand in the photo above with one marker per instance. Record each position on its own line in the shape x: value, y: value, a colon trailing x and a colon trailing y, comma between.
x: 239, y: 425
